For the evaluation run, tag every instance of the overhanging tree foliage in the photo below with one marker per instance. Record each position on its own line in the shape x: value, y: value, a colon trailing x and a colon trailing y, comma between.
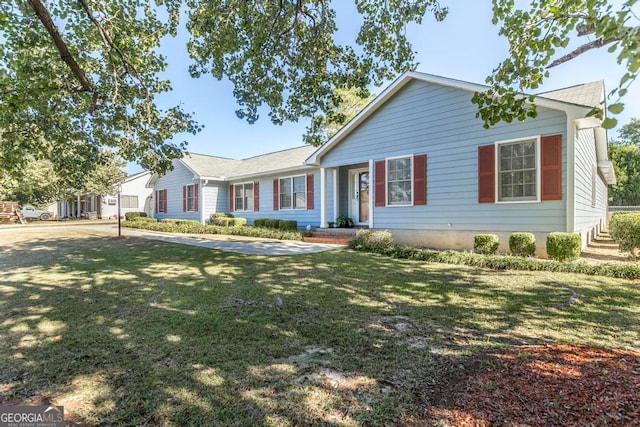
x: 625, y: 155
x: 539, y: 38
x: 77, y: 77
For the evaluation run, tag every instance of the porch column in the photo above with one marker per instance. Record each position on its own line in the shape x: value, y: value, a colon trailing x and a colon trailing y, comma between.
x: 203, y: 218
x: 78, y: 205
x: 336, y: 194
x: 323, y: 198
x: 371, y: 199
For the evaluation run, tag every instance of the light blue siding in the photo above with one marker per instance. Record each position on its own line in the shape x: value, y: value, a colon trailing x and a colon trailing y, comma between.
x: 425, y: 118
x: 303, y: 216
x: 216, y: 198
x: 173, y: 182
x: 588, y: 216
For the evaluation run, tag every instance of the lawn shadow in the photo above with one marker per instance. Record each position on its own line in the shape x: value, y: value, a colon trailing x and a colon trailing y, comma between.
x: 146, y: 332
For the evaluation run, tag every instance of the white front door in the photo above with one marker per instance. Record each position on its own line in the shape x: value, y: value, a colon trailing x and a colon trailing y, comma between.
x: 359, y: 196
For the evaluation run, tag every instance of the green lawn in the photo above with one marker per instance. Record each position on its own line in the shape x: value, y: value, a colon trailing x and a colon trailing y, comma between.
x: 141, y: 332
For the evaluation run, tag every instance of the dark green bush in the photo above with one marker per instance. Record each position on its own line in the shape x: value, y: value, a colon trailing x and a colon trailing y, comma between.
x: 272, y: 223
x: 563, y: 246
x: 193, y: 227
x: 260, y: 222
x: 131, y: 215
x: 237, y: 222
x: 213, y: 216
x: 344, y: 222
x: 522, y: 244
x: 501, y: 262
x: 370, y: 239
x: 625, y: 230
x: 143, y: 219
x: 486, y: 244
x: 287, y: 225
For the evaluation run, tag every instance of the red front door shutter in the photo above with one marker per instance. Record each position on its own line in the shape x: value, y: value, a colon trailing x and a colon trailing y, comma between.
x: 276, y: 204
x: 420, y: 179
x: 486, y: 174
x: 195, y: 196
x: 551, y: 165
x: 310, y: 191
x: 380, y: 175
x: 184, y: 198
x: 256, y: 196
x: 231, y: 199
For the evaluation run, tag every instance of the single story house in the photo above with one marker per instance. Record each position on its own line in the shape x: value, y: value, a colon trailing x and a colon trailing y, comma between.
x: 418, y: 162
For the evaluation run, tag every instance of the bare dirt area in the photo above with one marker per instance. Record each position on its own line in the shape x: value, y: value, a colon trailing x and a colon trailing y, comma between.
x: 547, y: 385
x: 604, y: 250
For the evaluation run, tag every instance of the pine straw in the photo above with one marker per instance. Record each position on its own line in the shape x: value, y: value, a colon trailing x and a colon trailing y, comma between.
x: 551, y: 385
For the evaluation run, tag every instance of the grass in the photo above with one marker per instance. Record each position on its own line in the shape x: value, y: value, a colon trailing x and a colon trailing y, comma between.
x: 141, y: 332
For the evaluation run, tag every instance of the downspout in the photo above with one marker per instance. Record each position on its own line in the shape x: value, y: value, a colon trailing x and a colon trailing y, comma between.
x: 203, y: 215
x: 571, y: 170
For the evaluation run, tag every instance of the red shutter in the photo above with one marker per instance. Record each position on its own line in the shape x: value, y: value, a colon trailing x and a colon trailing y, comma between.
x: 184, y: 198
x: 195, y: 196
x: 276, y: 203
x: 486, y: 174
x: 380, y: 183
x: 156, y: 201
x: 231, y: 200
x: 420, y: 179
x: 256, y: 196
x: 310, y: 191
x: 166, y: 202
x: 551, y: 164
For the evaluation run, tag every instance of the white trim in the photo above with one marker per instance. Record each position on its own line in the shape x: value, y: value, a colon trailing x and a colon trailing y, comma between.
x: 292, y: 208
x: 538, y: 160
x: 186, y: 197
x: 386, y: 181
x: 336, y: 193
x: 235, y: 207
x: 323, y: 198
x: 203, y: 217
x: 352, y: 182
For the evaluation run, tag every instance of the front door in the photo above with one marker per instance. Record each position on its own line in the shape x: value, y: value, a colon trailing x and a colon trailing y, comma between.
x: 359, y: 191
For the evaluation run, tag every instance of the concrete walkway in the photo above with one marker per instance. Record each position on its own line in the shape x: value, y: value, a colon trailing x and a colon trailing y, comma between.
x: 236, y: 244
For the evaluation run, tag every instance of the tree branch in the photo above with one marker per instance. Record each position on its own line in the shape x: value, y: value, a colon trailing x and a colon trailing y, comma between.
x: 596, y: 44
x: 44, y: 16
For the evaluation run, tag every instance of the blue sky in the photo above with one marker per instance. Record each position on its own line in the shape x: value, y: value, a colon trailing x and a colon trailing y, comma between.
x: 465, y: 46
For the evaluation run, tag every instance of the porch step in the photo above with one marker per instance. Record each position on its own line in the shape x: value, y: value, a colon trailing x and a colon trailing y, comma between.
x: 332, y: 236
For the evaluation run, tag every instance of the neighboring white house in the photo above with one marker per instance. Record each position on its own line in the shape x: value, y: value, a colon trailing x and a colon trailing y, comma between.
x: 417, y: 161
x: 135, y: 197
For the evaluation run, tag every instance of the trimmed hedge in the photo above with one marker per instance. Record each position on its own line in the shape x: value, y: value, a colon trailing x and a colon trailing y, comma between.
x: 216, y: 215
x: 485, y: 244
x: 500, y: 262
x: 563, y: 246
x: 522, y: 244
x: 229, y: 221
x: 374, y: 239
x: 131, y: 215
x: 143, y: 219
x: 194, y: 227
x: 279, y: 224
x: 625, y: 230
x: 180, y: 221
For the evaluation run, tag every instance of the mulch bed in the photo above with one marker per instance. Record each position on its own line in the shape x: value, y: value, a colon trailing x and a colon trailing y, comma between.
x: 552, y: 385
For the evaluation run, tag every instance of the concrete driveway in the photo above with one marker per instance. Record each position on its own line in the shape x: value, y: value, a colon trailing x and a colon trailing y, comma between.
x: 237, y: 244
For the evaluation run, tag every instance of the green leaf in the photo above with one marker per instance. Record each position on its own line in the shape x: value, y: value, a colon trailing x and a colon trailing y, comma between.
x: 609, y: 123
x: 616, y: 108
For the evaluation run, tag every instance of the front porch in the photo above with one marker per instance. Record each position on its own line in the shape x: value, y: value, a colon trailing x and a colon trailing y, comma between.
x: 345, y: 193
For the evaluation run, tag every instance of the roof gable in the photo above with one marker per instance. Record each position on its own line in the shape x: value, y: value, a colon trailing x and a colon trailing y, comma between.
x: 557, y: 102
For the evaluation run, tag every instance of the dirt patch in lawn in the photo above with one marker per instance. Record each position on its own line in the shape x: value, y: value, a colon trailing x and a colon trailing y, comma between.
x: 546, y: 385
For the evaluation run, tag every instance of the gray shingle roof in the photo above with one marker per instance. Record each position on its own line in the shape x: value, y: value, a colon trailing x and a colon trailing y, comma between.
x: 587, y: 94
x: 225, y: 168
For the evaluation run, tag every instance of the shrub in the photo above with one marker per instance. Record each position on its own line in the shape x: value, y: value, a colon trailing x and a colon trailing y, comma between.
x: 344, y: 222
x: 237, y: 222
x: 287, y: 225
x: 143, y: 219
x: 260, y: 222
x: 486, y: 244
x: 625, y: 230
x: 563, y: 246
x: 272, y: 223
x: 522, y: 244
x: 369, y: 239
x: 131, y: 215
x: 180, y: 221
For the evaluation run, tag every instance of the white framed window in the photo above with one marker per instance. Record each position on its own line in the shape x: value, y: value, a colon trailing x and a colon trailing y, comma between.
x: 518, y: 170
x: 162, y: 200
x: 293, y: 192
x: 129, y: 202
x: 400, y: 181
x: 191, y: 198
x: 243, y: 194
